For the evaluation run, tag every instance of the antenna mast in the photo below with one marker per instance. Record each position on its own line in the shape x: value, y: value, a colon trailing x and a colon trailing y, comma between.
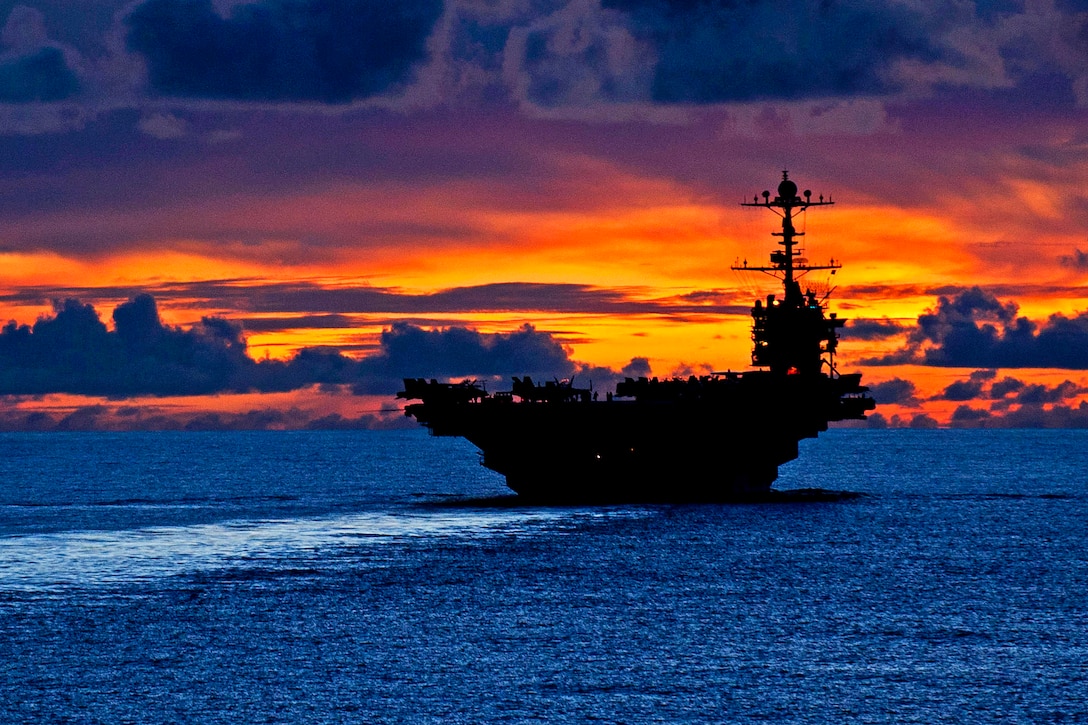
x: 784, y: 262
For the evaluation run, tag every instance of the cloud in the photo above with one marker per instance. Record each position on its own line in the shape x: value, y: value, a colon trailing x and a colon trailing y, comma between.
x: 967, y: 417
x: 335, y: 51
x: 923, y: 421
x: 826, y: 67
x: 700, y: 52
x: 871, y: 329
x: 73, y: 351
x: 32, y: 69
x: 1047, y: 38
x: 335, y: 421
x: 313, y: 322
x: 961, y: 390
x: 578, y: 56
x: 1036, y: 394
x: 969, y: 389
x: 163, y: 126
x: 895, y: 391
x: 1011, y: 402
x: 1036, y: 416
x: 1003, y: 387
x: 408, y: 351
x: 1009, y: 391
x: 1076, y: 260
x: 711, y: 52
x: 975, y: 329
x: 42, y: 76
x: 84, y: 418
x: 1025, y: 416
x: 983, y: 385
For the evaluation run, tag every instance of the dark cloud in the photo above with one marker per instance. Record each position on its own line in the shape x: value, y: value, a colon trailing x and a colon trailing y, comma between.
x: 1024, y: 416
x: 876, y: 421
x: 41, y: 76
x: 895, y: 391
x: 638, y: 367
x: 84, y: 418
x: 32, y: 68
x: 408, y: 351
x: 1036, y: 394
x: 1003, y: 387
x: 712, y: 51
x: 312, y: 322
x: 332, y: 51
x: 908, y: 291
x: 1036, y: 416
x: 1009, y: 391
x: 1076, y: 260
x: 967, y: 417
x: 1014, y: 400
x: 975, y: 329
x: 961, y: 390
x: 586, y: 57
x: 869, y: 329
x: 72, y: 351
x: 923, y: 421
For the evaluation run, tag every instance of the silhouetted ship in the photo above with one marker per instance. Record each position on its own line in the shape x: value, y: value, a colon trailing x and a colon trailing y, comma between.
x: 715, y: 437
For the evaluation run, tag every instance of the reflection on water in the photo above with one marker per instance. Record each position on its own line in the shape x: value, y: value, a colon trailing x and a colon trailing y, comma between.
x: 95, y: 558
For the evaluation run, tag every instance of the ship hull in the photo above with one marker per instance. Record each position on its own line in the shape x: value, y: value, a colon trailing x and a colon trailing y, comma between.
x: 625, y: 451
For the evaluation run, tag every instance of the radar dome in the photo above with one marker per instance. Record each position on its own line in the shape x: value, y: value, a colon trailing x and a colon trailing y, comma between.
x: 787, y: 189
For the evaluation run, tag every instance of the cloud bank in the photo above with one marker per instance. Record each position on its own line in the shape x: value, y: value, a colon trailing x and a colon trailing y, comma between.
x: 975, y: 329
x: 73, y: 351
x: 599, y: 58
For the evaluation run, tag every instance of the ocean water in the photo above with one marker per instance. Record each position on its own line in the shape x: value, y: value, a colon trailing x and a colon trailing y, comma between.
x: 386, y: 577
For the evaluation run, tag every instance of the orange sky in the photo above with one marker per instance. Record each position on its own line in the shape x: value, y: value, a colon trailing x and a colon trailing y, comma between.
x: 646, y: 238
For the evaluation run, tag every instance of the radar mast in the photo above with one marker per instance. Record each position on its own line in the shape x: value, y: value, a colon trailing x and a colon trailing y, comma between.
x: 792, y: 336
x: 786, y: 263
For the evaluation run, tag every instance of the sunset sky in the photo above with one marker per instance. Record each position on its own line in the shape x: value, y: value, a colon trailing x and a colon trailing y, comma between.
x: 266, y: 213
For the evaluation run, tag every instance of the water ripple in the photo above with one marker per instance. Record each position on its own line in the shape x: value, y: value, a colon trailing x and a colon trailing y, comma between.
x: 57, y: 561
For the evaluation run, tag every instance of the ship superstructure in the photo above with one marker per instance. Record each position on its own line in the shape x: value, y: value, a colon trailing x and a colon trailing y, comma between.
x: 714, y: 437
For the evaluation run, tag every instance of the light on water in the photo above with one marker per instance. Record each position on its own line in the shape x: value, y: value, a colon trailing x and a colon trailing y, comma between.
x: 341, y: 577
x: 97, y: 558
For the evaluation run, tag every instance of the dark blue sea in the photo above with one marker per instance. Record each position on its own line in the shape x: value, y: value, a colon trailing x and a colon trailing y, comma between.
x: 386, y: 577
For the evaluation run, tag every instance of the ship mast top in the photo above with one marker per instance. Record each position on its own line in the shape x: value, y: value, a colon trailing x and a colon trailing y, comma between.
x: 786, y: 263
